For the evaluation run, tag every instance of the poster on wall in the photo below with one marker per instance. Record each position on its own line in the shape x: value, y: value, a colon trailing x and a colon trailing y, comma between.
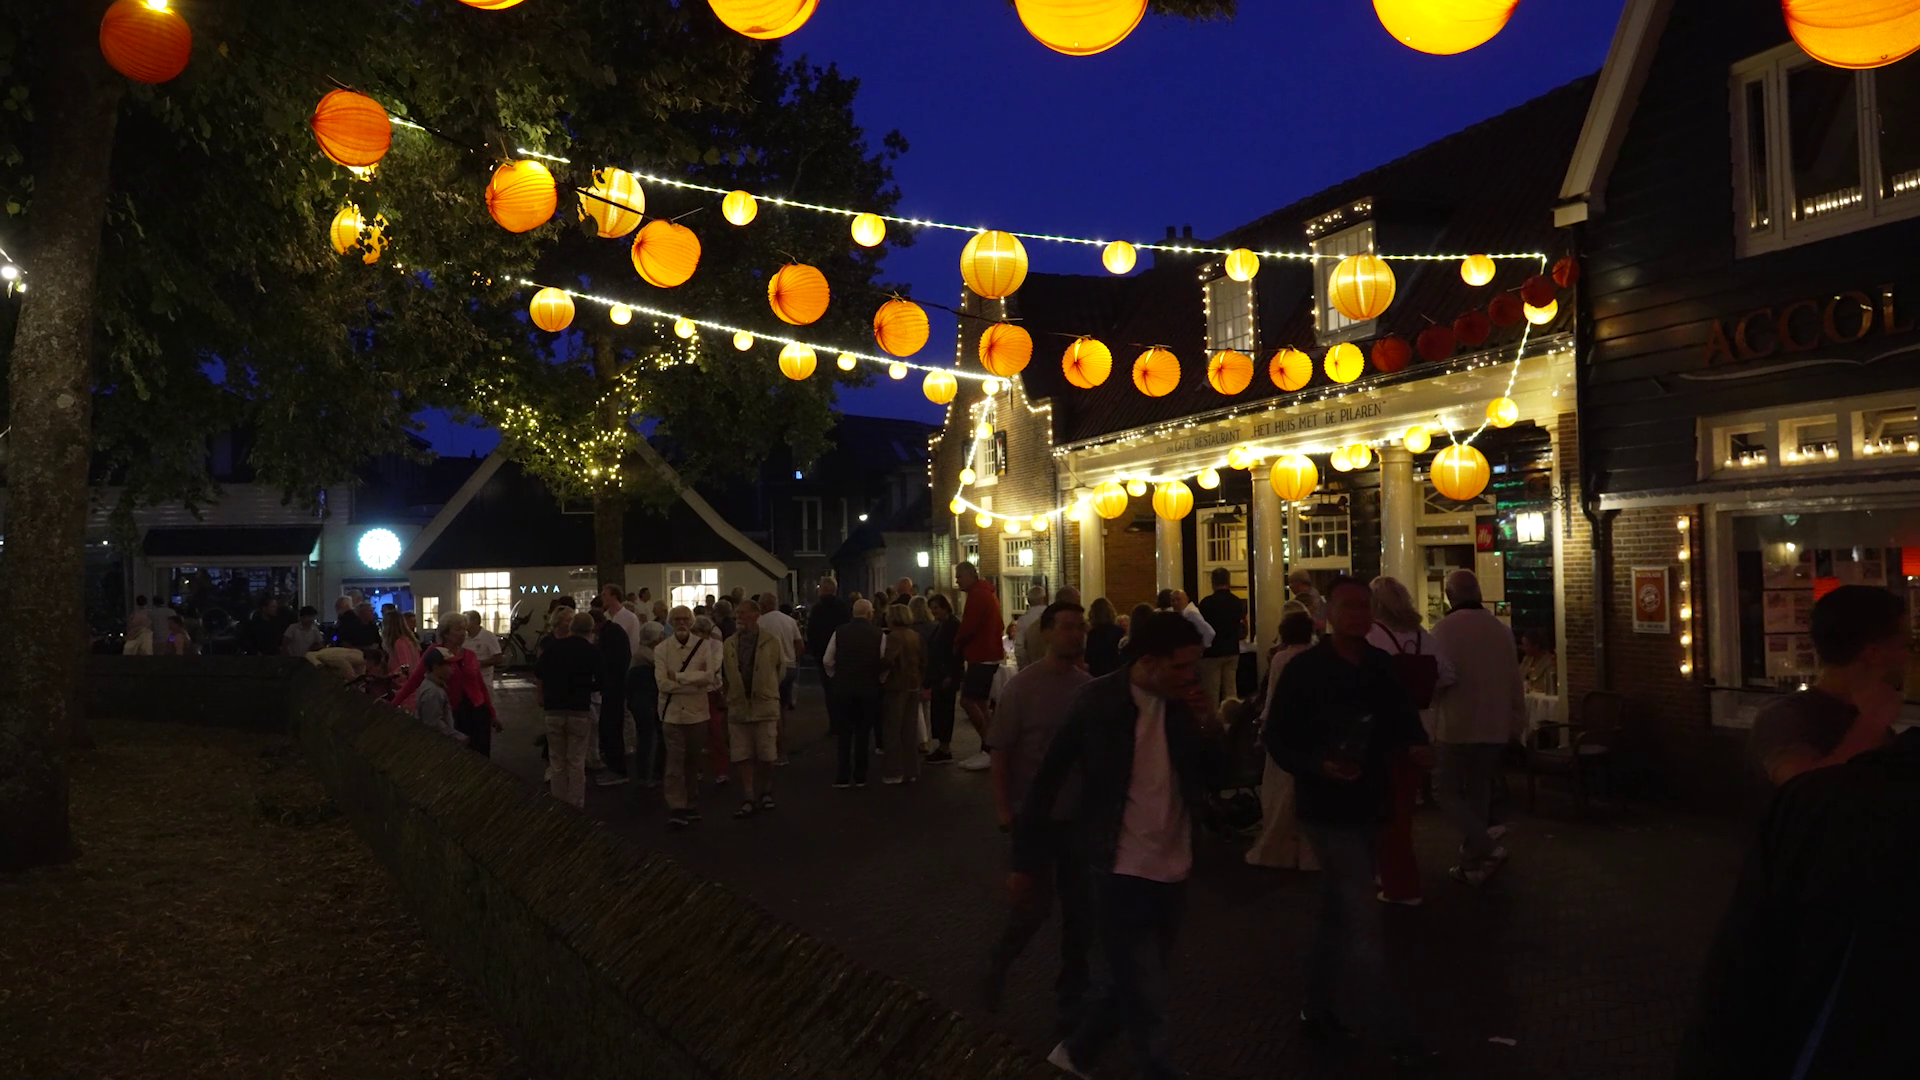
x: 1787, y: 611
x: 1789, y: 655
x: 1651, y: 612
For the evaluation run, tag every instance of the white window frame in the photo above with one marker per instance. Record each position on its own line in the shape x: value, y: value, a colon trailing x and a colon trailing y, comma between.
x: 1857, y: 443
x: 1229, y: 549
x: 429, y: 612
x: 984, y: 474
x: 1770, y: 70
x: 1304, y: 551
x: 809, y: 509
x: 691, y: 581
x: 489, y: 592
x: 1331, y: 326
x: 1231, y: 322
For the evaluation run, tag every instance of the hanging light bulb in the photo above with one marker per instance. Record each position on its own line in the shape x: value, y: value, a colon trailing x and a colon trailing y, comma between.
x: 957, y: 507
x: 967, y: 477
x: 1136, y: 488
x: 983, y: 519
x: 846, y: 361
x: 742, y: 340
x: 990, y: 386
x: 896, y: 370
x: 1209, y: 478
x: 983, y: 430
x: 1039, y: 523
x: 1010, y: 527
x: 621, y: 314
x: 1417, y: 439
x: 683, y: 327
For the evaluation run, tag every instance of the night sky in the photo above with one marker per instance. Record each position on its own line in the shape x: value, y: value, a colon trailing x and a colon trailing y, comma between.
x: 1208, y: 124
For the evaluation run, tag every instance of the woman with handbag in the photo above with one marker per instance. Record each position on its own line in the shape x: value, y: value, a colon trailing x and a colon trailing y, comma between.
x: 1423, y: 669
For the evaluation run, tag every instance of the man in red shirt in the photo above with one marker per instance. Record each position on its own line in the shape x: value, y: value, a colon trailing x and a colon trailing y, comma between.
x: 977, y: 643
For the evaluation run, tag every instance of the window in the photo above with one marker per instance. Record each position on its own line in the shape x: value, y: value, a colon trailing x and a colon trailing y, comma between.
x: 1223, y: 543
x: 688, y: 586
x: 1355, y: 240
x: 1881, y: 432
x: 1230, y: 316
x: 491, y: 594
x: 809, y: 523
x: 1322, y: 534
x: 989, y: 459
x: 1820, y: 151
x: 1017, y: 574
x: 429, y: 612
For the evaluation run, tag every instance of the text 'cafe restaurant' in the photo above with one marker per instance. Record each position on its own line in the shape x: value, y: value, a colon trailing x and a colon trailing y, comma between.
x: 1302, y: 417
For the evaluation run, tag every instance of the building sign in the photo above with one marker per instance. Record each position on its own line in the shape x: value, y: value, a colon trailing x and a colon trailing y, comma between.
x: 1651, y: 613
x: 1803, y: 325
x: 1311, y: 420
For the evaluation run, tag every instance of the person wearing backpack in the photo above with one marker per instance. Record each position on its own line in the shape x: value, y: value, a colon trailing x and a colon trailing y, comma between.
x: 1423, y: 670
x: 1484, y: 710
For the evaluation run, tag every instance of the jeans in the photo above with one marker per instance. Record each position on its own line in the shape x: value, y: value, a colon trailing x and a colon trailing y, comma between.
x: 1463, y: 782
x: 1348, y: 932
x: 903, y: 734
x: 567, y: 751
x: 940, y: 715
x: 686, y: 745
x: 852, y: 734
x: 613, y: 718
x: 476, y: 724
x: 643, y: 701
x: 1068, y: 878
x: 1136, y: 921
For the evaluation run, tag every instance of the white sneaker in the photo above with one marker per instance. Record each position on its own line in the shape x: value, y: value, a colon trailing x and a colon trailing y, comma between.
x: 1059, y: 1060
x: 977, y: 762
x: 893, y: 780
x: 609, y: 779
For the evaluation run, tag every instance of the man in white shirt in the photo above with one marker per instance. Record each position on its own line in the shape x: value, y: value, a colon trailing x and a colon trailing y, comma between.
x: 686, y: 667
x: 304, y: 636
x: 617, y: 611
x: 1183, y: 604
x: 784, y: 629
x: 1036, y: 603
x: 483, y: 642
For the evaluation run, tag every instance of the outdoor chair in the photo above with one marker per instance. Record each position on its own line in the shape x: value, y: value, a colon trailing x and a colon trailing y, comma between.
x: 1583, y: 750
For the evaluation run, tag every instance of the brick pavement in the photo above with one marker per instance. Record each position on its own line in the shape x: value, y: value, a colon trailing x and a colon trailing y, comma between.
x: 1585, y: 950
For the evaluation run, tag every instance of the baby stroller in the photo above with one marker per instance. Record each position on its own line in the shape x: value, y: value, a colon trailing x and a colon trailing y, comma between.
x: 1233, y: 807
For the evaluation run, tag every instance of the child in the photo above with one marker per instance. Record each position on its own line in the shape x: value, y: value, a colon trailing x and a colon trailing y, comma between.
x: 430, y: 701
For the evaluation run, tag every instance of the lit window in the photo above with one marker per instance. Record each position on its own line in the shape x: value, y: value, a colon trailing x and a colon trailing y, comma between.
x: 689, y: 586
x: 429, y: 612
x: 1356, y: 240
x: 924, y: 559
x: 491, y: 594
x: 1230, y: 316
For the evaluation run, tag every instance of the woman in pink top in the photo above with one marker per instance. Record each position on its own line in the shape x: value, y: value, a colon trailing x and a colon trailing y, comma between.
x: 402, y: 649
x: 473, y: 712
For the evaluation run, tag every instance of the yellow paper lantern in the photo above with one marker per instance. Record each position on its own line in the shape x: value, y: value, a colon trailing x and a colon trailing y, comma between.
x: 967, y: 476
x: 1290, y: 369
x: 1005, y: 349
x: 1854, y: 33
x: 615, y: 202
x: 739, y: 207
x: 896, y: 371
x: 763, y: 20
x: 1242, y: 264
x: 1087, y: 363
x: 1294, y: 477
x: 352, y: 129
x: 1359, y: 455
x: 1208, y: 479
x: 521, y: 196
x: 1080, y: 27
x: 983, y: 430
x: 683, y: 327
x: 1109, y: 500
x: 490, y: 5
x: 940, y: 387
x: 1156, y: 372
x: 900, y: 326
x: 1502, y: 412
x: 1040, y: 523
x: 742, y: 340
x: 1136, y: 488
x: 869, y: 229
x: 345, y: 230
x: 1239, y: 457
x: 665, y: 254
x: 1230, y: 372
x: 991, y: 387
x: 846, y: 361
x: 1541, y: 316
x: 552, y: 310
x: 797, y: 361
x: 1417, y: 439
x: 798, y: 294
x: 956, y: 507
x: 1011, y: 526
x: 993, y: 264
x: 1361, y: 287
x: 983, y: 519
x: 1173, y: 500
x: 1460, y: 472
x: 1338, y: 459
x: 1443, y: 27
x: 1345, y: 362
x: 1118, y: 257
x: 1476, y: 270
x: 621, y: 314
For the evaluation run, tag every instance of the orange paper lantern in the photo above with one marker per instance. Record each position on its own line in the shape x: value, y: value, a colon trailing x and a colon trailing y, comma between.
x: 552, y: 310
x: 665, y: 254
x: 940, y: 387
x: 1361, y: 287
x: 764, y: 20
x: 1110, y: 500
x: 1460, y: 472
x: 1854, y: 33
x: 1080, y: 27
x: 1005, y: 349
x: 490, y: 5
x: 1294, y: 477
x: 797, y: 361
x: 1345, y: 362
x: 1087, y: 363
x: 1230, y: 372
x: 900, y: 326
x: 352, y: 129
x: 521, y: 196
x: 1156, y: 372
x: 1290, y: 369
x: 1566, y: 269
x: 146, y: 44
x: 798, y: 294
x: 1443, y: 27
x: 1173, y: 500
x: 993, y: 264
x: 615, y: 202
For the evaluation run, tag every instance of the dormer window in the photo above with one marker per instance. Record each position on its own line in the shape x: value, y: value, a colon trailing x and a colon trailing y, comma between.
x: 1329, y: 248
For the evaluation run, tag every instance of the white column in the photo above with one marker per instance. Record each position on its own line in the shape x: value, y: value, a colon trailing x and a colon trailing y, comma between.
x: 1269, y: 561
x: 1399, y: 511
x: 1093, y: 556
x: 1562, y: 504
x: 1167, y: 554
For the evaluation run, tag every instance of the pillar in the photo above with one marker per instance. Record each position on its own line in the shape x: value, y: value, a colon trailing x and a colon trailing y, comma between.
x: 1093, y: 556
x: 1557, y: 524
x: 1399, y: 518
x: 1269, y: 562
x: 1169, y: 558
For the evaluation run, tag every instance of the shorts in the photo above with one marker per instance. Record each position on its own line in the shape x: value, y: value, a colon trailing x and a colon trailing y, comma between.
x: 756, y: 741
x: 978, y: 684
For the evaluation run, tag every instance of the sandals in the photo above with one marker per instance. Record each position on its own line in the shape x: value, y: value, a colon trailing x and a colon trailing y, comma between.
x: 766, y: 802
x: 747, y: 809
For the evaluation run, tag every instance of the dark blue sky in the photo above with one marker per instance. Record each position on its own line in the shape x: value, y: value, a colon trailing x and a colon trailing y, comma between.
x: 1209, y: 124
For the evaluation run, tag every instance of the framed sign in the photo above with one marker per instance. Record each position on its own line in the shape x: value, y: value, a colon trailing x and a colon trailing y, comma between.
x: 1652, y: 614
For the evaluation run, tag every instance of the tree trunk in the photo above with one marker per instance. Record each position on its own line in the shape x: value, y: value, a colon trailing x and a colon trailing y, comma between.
x: 74, y: 99
x: 609, y: 503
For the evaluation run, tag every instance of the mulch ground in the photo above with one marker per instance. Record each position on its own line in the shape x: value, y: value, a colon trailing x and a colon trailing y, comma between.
x: 222, y: 921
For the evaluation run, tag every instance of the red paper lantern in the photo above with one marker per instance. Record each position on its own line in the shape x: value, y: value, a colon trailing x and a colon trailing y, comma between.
x: 352, y: 129
x: 1566, y: 271
x: 1472, y: 328
x: 144, y: 43
x: 1505, y: 310
x: 1391, y: 354
x: 1538, y: 291
x: 1435, y: 343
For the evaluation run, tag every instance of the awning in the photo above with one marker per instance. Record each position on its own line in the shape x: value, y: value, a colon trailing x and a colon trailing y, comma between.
x: 292, y: 542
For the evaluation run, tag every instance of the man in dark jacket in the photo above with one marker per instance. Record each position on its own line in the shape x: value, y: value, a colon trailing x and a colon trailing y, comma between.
x: 1146, y: 745
x: 827, y: 614
x: 943, y: 672
x: 1338, y: 717
x: 1811, y: 973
